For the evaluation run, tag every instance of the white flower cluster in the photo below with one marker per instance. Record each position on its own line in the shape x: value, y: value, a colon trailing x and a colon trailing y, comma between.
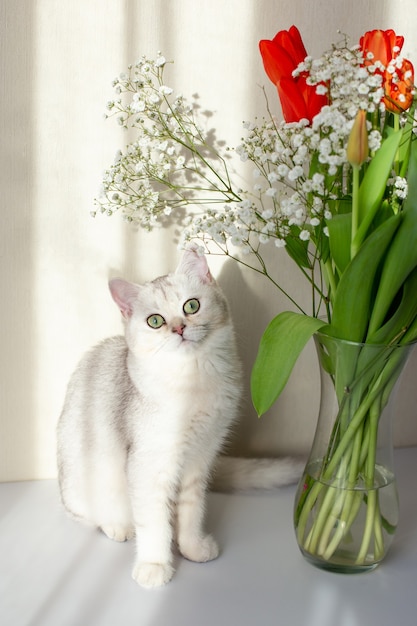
x: 350, y: 84
x: 300, y: 170
x: 171, y: 163
x: 287, y: 200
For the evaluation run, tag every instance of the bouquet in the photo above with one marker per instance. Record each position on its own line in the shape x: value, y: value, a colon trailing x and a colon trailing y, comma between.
x: 335, y: 187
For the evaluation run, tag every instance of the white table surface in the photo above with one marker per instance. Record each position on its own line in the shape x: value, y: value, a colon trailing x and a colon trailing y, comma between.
x: 55, y: 572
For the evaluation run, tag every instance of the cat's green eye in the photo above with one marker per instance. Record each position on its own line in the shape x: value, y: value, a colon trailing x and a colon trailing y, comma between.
x: 191, y: 306
x: 155, y: 320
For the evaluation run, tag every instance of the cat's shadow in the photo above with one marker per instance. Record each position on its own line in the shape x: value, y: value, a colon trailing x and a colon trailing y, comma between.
x: 250, y: 318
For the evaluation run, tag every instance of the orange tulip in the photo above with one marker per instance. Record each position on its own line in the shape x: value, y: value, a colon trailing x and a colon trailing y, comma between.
x: 399, y: 88
x: 281, y: 56
x: 384, y: 47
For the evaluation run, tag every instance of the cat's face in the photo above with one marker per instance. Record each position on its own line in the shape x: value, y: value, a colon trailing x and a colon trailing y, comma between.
x: 175, y: 312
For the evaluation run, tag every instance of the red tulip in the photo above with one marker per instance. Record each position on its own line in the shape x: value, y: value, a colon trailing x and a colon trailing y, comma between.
x: 385, y: 46
x: 281, y: 56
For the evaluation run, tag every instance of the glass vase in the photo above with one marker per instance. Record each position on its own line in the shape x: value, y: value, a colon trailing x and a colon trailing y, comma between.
x: 346, y: 506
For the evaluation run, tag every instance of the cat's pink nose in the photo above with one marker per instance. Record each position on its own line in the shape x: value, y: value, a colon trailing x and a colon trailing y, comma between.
x: 179, y: 329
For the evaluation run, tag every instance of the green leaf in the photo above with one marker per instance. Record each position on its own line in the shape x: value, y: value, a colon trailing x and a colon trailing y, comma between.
x: 321, y: 242
x: 351, y: 308
x: 402, y: 317
x: 374, y: 183
x: 400, y: 261
x: 401, y: 258
x: 405, y: 147
x: 411, y: 334
x: 279, y: 348
x: 340, y: 229
x: 298, y: 251
x: 412, y: 173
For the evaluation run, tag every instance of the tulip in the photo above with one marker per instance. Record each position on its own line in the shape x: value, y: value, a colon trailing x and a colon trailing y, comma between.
x: 356, y: 153
x: 357, y: 149
x: 399, y: 88
x: 383, y: 47
x: 281, y: 56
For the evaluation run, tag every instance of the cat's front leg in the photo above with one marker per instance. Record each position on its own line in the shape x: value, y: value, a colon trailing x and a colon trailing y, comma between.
x: 151, y: 504
x: 193, y: 543
x: 151, y: 575
x: 153, y: 566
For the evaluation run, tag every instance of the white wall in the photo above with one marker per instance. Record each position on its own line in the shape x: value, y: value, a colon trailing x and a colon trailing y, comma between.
x: 58, y: 60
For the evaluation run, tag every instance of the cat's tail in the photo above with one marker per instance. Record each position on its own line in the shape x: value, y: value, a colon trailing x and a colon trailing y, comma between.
x: 234, y: 473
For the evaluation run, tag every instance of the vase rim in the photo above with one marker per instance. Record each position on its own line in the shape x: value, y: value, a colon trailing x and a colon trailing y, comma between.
x: 321, y: 333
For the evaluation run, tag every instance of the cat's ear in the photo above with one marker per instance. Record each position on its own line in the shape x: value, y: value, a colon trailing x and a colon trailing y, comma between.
x: 194, y: 264
x: 124, y: 294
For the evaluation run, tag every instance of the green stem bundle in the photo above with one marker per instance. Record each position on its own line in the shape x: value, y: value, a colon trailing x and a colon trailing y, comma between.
x: 347, y: 481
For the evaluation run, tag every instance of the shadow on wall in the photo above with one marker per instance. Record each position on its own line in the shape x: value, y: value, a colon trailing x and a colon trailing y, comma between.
x: 250, y: 318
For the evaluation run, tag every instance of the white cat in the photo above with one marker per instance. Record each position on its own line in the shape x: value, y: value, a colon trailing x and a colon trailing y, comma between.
x: 146, y: 416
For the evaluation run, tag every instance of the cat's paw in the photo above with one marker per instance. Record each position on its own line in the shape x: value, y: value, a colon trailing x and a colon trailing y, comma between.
x: 151, y: 575
x: 200, y: 550
x: 118, y: 532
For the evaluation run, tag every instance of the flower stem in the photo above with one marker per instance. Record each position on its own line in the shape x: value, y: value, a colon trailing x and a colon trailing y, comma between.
x: 333, y: 497
x: 330, y: 278
x: 355, y: 210
x: 372, y: 494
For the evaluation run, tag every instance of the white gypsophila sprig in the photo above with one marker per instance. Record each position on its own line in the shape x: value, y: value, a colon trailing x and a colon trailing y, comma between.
x: 292, y: 199
x: 172, y: 163
x: 300, y: 173
x: 169, y: 165
x: 349, y: 84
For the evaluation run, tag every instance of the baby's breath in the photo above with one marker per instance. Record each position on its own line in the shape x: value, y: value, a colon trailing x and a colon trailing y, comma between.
x: 171, y: 163
x: 300, y: 170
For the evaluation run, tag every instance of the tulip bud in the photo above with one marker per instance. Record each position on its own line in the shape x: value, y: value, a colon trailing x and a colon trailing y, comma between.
x: 357, y: 148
